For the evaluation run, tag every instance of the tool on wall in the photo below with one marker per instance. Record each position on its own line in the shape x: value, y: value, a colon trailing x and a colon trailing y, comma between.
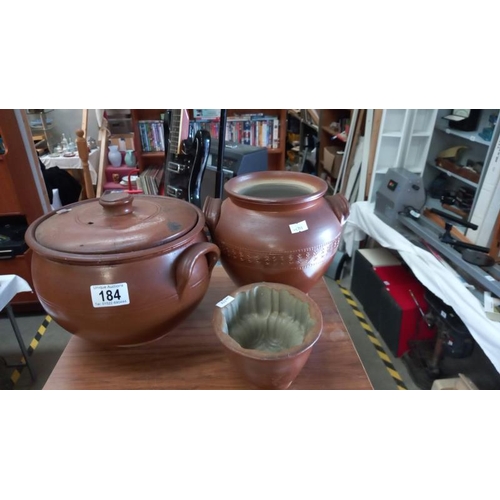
x: 446, y: 237
x: 471, y: 253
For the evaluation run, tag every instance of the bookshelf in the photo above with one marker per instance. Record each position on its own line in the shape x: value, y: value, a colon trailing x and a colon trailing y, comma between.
x: 255, y: 127
x: 302, y: 135
x: 276, y: 155
x: 146, y: 158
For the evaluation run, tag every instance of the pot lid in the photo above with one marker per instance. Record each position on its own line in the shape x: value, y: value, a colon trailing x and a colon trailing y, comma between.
x: 117, y: 222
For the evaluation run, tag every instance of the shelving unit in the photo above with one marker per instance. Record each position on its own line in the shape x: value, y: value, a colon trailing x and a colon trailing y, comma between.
x: 276, y: 156
x: 107, y: 171
x: 330, y: 137
x: 403, y: 142
x: 478, y: 150
x: 414, y: 139
x: 144, y: 158
x: 301, y: 126
x: 239, y: 119
x: 451, y: 174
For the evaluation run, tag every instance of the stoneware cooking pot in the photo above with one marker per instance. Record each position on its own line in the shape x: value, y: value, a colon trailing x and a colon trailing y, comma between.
x: 268, y: 331
x: 121, y: 270
x: 274, y: 226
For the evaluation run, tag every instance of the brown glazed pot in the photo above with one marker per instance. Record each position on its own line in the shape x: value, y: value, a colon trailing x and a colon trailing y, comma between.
x: 268, y: 331
x: 274, y: 226
x: 121, y: 270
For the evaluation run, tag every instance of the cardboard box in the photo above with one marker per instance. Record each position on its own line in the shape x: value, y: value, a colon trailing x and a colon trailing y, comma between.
x: 119, y: 121
x: 332, y: 160
x: 460, y: 383
x: 114, y: 140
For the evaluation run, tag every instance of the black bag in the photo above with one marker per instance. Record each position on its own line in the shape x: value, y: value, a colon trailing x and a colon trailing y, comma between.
x: 69, y: 188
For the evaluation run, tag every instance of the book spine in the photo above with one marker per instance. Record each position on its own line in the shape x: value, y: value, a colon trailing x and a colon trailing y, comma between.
x: 161, y: 136
x: 144, y: 138
x: 150, y: 136
x: 158, y: 136
x: 276, y: 133
x: 246, y: 132
x: 155, y: 136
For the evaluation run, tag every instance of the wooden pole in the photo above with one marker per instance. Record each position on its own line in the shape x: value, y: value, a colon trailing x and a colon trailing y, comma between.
x: 366, y: 152
x: 83, y: 153
x: 102, y: 140
x: 345, y: 156
x: 354, y: 137
x: 85, y: 121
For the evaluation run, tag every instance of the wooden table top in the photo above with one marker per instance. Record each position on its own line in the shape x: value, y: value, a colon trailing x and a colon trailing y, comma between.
x: 191, y: 356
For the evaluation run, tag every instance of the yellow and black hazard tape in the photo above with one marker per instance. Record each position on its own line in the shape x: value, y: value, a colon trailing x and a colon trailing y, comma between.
x: 16, y: 374
x: 374, y: 340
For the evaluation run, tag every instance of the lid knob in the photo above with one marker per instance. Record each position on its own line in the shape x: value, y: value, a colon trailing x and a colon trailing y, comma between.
x: 117, y: 203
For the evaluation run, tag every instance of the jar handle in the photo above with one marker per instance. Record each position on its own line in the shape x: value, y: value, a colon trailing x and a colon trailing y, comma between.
x: 117, y: 203
x: 211, y: 209
x: 186, y: 262
x: 339, y: 205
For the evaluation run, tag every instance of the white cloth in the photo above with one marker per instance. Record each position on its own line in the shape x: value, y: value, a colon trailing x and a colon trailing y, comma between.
x: 10, y: 286
x: 430, y: 272
x: 74, y: 162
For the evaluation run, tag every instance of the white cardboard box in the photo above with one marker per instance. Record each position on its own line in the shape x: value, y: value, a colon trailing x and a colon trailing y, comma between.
x: 454, y: 384
x: 332, y: 160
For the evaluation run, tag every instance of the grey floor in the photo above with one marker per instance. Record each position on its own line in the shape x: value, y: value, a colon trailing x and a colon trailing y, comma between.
x: 53, y: 339
x: 385, y: 371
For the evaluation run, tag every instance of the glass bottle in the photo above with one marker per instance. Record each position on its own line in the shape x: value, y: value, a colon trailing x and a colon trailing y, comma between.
x: 64, y: 142
x: 71, y: 146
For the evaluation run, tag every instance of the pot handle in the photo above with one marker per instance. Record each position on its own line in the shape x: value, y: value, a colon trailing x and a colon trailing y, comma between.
x: 187, y: 259
x: 211, y: 209
x: 117, y: 203
x: 339, y: 205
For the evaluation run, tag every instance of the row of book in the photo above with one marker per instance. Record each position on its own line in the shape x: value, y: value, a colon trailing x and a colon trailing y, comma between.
x: 151, y: 179
x: 254, y: 130
x: 152, y: 135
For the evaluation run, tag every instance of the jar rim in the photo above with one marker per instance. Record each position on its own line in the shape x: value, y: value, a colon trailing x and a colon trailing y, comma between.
x: 276, y: 187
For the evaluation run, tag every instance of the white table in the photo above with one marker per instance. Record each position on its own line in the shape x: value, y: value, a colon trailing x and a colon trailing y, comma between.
x: 74, y: 163
x: 439, y: 279
x: 10, y: 286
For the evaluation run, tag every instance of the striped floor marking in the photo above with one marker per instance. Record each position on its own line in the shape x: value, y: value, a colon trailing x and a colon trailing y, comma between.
x: 374, y: 340
x: 16, y: 374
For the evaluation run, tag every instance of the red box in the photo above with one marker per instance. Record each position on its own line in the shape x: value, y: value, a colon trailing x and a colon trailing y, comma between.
x: 403, y: 321
x: 394, y: 275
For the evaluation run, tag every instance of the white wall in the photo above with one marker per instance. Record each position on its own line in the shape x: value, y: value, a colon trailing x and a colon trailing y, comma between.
x: 68, y: 121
